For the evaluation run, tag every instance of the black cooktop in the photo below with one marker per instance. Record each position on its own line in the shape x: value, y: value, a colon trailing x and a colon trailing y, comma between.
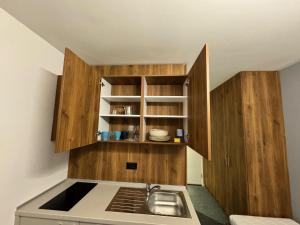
x: 69, y: 197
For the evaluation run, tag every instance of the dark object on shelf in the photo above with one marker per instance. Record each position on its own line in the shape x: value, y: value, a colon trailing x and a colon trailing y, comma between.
x: 69, y: 197
x: 124, y: 135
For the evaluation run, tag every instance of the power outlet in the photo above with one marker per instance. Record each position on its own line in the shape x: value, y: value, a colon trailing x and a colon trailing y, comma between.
x: 131, y: 165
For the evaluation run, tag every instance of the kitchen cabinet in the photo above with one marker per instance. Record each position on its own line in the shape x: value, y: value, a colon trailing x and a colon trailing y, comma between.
x: 248, y: 172
x: 38, y: 221
x: 88, y: 97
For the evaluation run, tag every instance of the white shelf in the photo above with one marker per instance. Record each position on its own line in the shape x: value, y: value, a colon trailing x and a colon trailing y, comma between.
x: 166, y: 98
x: 165, y: 116
x: 120, y: 115
x: 110, y: 98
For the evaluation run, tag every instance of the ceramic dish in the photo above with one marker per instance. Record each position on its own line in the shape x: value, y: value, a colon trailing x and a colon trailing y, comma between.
x: 158, y: 133
x: 166, y: 138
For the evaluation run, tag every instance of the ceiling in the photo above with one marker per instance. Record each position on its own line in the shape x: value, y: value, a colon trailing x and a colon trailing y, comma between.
x: 241, y: 35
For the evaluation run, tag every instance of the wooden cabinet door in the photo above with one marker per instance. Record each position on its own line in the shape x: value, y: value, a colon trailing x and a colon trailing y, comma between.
x: 199, y: 106
x: 233, y: 142
x: 78, y: 111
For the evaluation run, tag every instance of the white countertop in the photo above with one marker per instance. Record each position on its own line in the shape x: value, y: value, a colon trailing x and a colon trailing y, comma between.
x: 91, y: 208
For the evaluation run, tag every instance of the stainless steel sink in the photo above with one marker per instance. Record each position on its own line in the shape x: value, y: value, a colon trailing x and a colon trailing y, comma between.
x: 167, y: 203
x: 137, y: 200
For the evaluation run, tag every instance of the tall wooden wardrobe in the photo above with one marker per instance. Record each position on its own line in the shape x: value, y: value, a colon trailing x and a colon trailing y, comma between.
x: 248, y: 173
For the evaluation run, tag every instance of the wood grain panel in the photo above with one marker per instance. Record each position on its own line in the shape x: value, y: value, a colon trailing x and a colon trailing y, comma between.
x: 248, y: 171
x: 166, y: 80
x: 232, y: 146
x: 164, y: 90
x: 199, y: 106
x: 225, y: 174
x: 269, y: 192
x: 149, y: 69
x: 78, y: 111
x: 164, y: 108
x: 56, y: 105
x: 107, y: 161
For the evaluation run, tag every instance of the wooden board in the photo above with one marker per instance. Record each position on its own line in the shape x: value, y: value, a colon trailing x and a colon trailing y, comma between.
x: 269, y: 189
x: 148, y: 69
x: 78, y: 111
x: 107, y: 161
x: 199, y: 106
x: 166, y: 80
x: 56, y: 105
x: 164, y: 108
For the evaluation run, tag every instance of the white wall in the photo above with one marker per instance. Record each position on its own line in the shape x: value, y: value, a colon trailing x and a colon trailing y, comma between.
x: 194, y: 167
x: 27, y: 90
x: 290, y: 84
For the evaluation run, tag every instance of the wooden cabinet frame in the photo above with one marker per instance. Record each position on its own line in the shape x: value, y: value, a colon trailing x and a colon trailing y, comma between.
x: 78, y: 108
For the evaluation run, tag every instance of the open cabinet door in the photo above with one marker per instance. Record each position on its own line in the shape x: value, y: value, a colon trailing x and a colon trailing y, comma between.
x: 78, y: 111
x: 199, y: 106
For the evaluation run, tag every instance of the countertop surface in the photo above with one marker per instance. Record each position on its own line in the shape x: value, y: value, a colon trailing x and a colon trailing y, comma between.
x: 91, y: 208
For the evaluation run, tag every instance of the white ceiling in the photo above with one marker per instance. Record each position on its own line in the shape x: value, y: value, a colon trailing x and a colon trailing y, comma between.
x: 241, y: 35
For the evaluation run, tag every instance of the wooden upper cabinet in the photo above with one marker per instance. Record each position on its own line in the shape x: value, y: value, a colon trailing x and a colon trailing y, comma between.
x: 199, y: 105
x: 78, y: 112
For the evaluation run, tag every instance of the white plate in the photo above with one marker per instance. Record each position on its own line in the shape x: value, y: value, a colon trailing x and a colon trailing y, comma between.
x: 166, y: 138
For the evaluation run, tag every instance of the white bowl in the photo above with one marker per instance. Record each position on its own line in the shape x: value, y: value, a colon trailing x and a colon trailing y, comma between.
x: 158, y: 133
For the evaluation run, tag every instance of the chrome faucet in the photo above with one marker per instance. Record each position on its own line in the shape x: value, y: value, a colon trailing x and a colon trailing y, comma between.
x: 150, y: 189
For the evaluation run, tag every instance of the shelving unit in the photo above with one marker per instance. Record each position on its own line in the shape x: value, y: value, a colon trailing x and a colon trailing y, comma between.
x: 158, y: 102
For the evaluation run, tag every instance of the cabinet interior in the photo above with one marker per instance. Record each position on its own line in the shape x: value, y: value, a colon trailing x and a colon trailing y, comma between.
x: 156, y: 102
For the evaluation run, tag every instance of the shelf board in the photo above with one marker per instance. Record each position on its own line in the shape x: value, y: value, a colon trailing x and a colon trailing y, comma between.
x: 166, y: 116
x: 143, y: 142
x: 166, y: 98
x: 162, y: 143
x: 120, y: 115
x: 122, y: 98
x: 120, y: 141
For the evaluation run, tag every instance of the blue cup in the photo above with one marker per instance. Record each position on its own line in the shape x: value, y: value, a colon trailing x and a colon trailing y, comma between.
x: 104, y: 135
x: 117, y: 135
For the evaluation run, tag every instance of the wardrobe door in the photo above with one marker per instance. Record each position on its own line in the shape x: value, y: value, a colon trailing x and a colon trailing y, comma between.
x: 199, y: 106
x: 78, y: 111
x: 218, y: 161
x: 265, y: 144
x: 233, y: 143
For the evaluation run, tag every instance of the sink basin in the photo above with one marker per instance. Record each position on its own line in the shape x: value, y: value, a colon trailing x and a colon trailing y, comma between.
x: 167, y: 203
x: 163, y: 202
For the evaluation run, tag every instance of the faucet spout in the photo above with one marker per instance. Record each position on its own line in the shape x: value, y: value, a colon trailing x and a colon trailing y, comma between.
x: 150, y: 189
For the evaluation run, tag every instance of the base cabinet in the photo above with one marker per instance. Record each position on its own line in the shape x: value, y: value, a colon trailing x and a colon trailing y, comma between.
x: 38, y: 221
x: 248, y: 173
